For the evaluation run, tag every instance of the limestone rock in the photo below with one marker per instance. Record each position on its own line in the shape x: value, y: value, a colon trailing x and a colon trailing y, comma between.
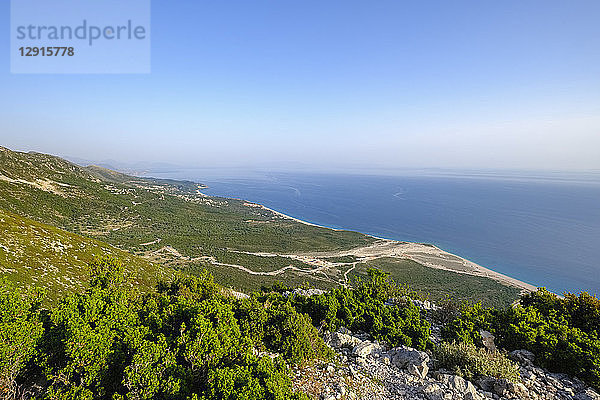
x: 518, y: 390
x: 404, y: 356
x: 420, y: 370
x: 488, y: 340
x: 457, y: 383
x: 433, y: 392
x: 339, y: 340
x: 501, y: 387
x: 486, y: 383
x: 365, y: 349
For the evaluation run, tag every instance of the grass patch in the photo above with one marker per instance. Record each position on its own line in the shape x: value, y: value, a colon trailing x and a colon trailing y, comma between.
x: 38, y: 255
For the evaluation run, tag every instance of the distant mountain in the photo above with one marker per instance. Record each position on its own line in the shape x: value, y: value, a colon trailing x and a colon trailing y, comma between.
x: 131, y: 168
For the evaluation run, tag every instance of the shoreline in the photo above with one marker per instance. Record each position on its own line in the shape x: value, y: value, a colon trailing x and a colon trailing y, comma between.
x: 421, y: 253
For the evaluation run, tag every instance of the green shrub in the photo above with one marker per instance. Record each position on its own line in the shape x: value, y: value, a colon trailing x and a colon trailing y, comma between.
x: 20, y: 331
x: 93, y: 335
x: 469, y: 361
x: 293, y: 335
x: 471, y: 319
x: 186, y: 341
x: 366, y: 308
x: 561, y: 332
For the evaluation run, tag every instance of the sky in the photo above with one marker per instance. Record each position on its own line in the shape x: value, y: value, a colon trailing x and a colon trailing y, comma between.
x: 331, y: 84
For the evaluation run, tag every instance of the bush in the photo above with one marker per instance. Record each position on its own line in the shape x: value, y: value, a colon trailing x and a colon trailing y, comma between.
x: 293, y: 335
x: 469, y: 361
x: 190, y: 341
x: 367, y: 308
x: 562, y: 333
x: 186, y: 341
x: 20, y: 331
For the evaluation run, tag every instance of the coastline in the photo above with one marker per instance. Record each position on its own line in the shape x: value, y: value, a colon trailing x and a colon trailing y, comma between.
x: 428, y: 255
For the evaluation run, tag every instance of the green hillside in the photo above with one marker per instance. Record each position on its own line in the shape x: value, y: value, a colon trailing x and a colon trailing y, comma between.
x: 129, y: 211
x: 165, y: 221
x: 33, y: 254
x: 439, y: 284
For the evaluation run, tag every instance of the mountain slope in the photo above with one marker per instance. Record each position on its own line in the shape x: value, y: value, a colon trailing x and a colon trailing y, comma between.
x: 35, y: 254
x: 165, y: 221
x: 129, y: 211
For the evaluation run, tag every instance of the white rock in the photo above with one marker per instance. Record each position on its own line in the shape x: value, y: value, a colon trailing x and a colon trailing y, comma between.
x: 366, y: 348
x: 457, y: 383
x: 433, y: 392
x: 501, y: 387
x: 403, y: 356
x: 338, y: 340
x: 519, y: 390
x: 420, y: 371
x: 488, y: 340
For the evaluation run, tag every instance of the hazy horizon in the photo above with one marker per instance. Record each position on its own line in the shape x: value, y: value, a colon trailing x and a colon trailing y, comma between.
x: 333, y: 86
x: 243, y: 170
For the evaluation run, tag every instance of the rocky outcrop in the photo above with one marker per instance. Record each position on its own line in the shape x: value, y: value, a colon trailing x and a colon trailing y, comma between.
x: 366, y: 349
x: 366, y: 369
x: 416, y: 362
x: 339, y: 340
x: 523, y: 357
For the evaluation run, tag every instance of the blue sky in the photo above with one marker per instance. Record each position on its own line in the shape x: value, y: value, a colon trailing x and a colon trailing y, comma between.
x: 332, y: 84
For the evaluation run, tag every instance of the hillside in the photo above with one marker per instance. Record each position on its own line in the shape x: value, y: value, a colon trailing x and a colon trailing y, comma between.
x: 191, y: 339
x: 33, y: 254
x: 245, y: 246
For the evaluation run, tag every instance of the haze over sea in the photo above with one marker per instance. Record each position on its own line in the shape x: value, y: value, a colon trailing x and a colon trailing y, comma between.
x: 543, y: 230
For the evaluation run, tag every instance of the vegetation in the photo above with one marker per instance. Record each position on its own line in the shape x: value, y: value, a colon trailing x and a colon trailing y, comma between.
x: 35, y: 255
x: 259, y: 263
x: 20, y: 333
x: 139, y: 330
x: 241, y: 281
x: 367, y: 308
x: 469, y: 361
x: 190, y: 339
x: 563, y: 333
x: 438, y: 284
x: 186, y: 341
x: 129, y: 211
x: 342, y: 259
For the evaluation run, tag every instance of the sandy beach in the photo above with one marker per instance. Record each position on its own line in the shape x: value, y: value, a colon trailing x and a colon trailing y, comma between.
x: 425, y: 254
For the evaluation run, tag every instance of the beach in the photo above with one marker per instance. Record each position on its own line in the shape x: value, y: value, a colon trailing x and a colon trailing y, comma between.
x: 425, y: 254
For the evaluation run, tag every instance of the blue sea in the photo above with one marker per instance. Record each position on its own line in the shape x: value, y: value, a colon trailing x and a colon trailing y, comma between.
x: 541, y: 230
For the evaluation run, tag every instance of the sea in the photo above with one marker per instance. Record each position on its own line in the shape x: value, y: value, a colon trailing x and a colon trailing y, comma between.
x: 540, y: 229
